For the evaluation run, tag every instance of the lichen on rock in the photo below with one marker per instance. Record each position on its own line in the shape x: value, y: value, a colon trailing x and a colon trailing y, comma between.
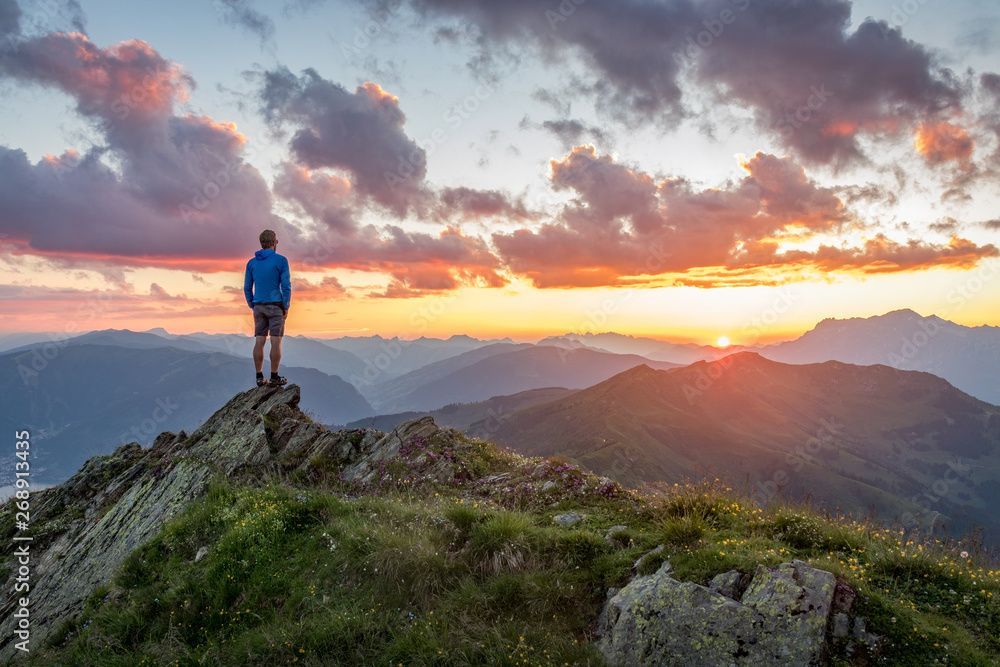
x: 781, y: 620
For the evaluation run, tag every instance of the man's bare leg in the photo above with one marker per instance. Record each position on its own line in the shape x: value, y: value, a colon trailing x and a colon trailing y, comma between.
x: 258, y: 352
x: 275, y: 353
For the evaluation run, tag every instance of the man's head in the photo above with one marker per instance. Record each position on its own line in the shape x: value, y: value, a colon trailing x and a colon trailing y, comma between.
x: 268, y: 239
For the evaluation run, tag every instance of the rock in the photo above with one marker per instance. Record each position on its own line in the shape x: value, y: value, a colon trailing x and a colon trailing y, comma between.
x: 657, y: 620
x: 202, y: 552
x: 364, y: 463
x: 567, y: 519
x: 860, y: 633
x: 843, y: 597
x: 655, y: 553
x: 731, y: 584
x: 88, y: 525
x: 841, y: 625
x: 616, y: 534
x: 548, y: 486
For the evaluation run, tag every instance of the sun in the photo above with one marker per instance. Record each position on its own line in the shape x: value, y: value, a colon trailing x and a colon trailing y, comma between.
x: 722, y: 341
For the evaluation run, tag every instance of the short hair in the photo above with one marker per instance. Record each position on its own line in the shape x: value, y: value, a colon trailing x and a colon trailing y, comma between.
x: 268, y: 238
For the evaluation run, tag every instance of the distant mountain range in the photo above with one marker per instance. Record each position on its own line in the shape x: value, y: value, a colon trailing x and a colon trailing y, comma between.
x: 500, y: 370
x: 968, y: 357
x: 856, y: 438
x: 488, y: 413
x: 81, y: 399
x: 391, y: 357
x: 542, y: 396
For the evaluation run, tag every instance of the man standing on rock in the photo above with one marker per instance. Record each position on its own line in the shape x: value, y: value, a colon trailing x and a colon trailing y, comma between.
x: 267, y: 286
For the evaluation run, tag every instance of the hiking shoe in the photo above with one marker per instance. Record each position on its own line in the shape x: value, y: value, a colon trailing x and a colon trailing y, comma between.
x: 261, y: 382
x: 277, y: 381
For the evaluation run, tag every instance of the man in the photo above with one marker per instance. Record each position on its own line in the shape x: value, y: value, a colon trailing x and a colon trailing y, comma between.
x: 267, y: 286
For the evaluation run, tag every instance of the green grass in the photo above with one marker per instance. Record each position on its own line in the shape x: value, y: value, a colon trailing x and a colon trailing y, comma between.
x: 308, y: 576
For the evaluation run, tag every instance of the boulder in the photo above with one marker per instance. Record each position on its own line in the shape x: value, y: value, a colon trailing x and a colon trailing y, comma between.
x: 658, y: 620
x: 567, y: 519
x: 616, y: 534
x: 731, y: 584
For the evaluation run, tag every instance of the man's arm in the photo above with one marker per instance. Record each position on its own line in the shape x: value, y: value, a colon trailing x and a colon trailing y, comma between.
x: 248, y: 286
x: 286, y: 286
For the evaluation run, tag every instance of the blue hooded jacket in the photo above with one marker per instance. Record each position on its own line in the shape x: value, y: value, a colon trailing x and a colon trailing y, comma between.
x: 268, y: 279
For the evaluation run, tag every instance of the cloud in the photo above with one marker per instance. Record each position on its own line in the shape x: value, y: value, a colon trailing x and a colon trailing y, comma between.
x: 325, y: 198
x: 472, y: 204
x: 803, y: 72
x: 941, y: 142
x: 241, y: 14
x: 360, y: 132
x: 326, y: 289
x: 10, y: 18
x: 70, y: 310
x: 799, y: 67
x: 626, y: 226
x: 989, y: 84
x: 164, y: 189
x: 629, y: 43
x: 572, y: 132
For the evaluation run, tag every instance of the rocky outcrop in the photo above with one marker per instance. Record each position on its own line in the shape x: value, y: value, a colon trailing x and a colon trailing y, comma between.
x: 85, y: 528
x: 781, y: 619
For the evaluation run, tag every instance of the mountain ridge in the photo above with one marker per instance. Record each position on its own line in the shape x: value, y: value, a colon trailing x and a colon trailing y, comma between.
x: 885, y: 435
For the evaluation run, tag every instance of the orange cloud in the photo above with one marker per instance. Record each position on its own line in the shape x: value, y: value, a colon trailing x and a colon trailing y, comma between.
x: 625, y: 227
x: 940, y: 142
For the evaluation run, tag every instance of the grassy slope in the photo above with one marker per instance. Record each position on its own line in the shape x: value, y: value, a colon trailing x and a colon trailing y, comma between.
x: 311, y: 572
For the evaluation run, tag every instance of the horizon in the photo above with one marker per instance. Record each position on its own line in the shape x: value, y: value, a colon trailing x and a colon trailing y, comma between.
x: 676, y: 204
x: 715, y: 343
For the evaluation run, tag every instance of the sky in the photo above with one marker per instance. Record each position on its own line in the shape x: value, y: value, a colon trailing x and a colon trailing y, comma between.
x: 677, y: 169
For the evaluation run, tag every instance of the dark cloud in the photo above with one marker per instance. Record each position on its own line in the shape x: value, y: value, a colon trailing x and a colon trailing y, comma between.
x: 10, y: 19
x: 819, y: 84
x: 558, y: 102
x: 571, y: 132
x: 798, y: 66
x: 625, y: 225
x: 360, y: 132
x: 240, y: 13
x: 945, y: 225
x: 463, y: 203
x: 180, y: 190
x: 989, y: 83
x: 630, y: 43
x: 351, y: 151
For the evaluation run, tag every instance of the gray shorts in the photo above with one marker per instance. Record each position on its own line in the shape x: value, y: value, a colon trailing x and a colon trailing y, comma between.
x: 268, y: 319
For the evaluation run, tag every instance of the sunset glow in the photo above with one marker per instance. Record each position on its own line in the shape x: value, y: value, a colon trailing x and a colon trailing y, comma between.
x: 413, y: 204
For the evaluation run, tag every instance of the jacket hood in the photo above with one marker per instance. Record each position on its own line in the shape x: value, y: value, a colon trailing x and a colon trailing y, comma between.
x: 264, y: 253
